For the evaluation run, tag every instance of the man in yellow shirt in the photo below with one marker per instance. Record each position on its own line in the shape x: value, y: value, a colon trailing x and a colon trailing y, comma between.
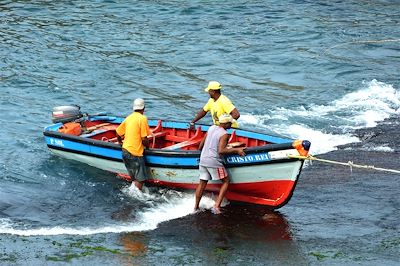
x: 217, y: 105
x: 134, y: 131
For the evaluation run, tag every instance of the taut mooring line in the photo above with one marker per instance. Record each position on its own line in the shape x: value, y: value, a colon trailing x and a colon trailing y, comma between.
x: 349, y: 163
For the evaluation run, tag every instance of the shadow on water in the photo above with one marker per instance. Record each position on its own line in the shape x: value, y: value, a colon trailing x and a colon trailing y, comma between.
x: 241, y: 234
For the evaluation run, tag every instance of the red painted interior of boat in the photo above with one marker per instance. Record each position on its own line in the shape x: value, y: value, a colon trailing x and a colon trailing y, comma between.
x: 162, y: 137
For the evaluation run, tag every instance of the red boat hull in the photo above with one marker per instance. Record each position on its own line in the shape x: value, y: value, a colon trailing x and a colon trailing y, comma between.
x: 271, y: 193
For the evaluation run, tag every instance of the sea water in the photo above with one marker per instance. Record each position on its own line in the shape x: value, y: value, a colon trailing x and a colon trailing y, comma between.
x: 317, y: 70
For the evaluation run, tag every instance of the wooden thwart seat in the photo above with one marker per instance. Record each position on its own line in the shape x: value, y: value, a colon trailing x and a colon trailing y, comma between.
x: 194, y: 140
x: 157, y: 132
x: 93, y: 133
x: 233, y: 142
x: 158, y: 128
x: 114, y: 140
x: 236, y: 144
x: 233, y: 137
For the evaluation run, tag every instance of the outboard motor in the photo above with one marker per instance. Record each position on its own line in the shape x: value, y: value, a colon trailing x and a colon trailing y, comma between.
x: 66, y: 113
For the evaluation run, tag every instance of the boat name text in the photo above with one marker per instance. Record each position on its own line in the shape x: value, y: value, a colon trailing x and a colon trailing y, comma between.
x: 248, y: 158
x: 56, y: 142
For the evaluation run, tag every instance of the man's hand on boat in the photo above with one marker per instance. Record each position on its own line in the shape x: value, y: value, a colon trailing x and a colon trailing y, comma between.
x: 241, y: 151
x: 236, y: 144
x: 239, y: 147
x: 191, y: 126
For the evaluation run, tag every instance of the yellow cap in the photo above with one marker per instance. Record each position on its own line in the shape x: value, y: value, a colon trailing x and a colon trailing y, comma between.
x: 213, y: 85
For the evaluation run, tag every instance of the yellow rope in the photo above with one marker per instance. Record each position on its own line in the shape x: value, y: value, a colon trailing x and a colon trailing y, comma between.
x: 349, y: 163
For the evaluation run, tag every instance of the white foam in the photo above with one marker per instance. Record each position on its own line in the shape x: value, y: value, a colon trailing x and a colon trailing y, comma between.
x: 257, y: 120
x: 133, y: 192
x: 365, y: 107
x: 331, y: 125
x: 383, y: 148
x: 172, y: 209
x: 8, y: 228
x: 320, y: 142
x: 170, y: 205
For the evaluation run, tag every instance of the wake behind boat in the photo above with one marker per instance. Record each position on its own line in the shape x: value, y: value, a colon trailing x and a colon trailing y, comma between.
x: 266, y: 175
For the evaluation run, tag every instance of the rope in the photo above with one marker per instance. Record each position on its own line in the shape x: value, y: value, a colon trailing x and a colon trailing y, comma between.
x: 349, y: 163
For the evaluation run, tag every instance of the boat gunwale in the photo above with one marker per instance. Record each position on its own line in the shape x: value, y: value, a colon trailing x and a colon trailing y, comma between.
x: 275, y: 139
x: 276, y: 161
x: 177, y: 153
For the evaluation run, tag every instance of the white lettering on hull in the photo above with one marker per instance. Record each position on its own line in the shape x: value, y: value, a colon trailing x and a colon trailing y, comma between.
x: 261, y: 157
x: 56, y: 142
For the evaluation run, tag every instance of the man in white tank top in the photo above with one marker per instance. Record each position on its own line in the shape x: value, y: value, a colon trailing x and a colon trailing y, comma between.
x: 213, y: 147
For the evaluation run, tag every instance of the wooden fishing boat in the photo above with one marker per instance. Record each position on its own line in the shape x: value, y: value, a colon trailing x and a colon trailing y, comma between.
x: 266, y: 175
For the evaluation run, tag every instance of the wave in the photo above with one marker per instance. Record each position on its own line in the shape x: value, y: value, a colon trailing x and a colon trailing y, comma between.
x: 163, y: 205
x: 334, y: 124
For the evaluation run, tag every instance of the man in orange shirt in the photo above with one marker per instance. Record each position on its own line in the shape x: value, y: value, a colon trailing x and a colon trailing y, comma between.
x: 134, y: 130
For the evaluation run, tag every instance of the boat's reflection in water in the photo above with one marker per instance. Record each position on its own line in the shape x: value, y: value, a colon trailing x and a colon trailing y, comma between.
x: 134, y: 243
x: 241, y: 234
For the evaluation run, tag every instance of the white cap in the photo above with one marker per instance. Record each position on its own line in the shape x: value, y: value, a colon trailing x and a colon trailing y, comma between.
x: 138, y: 104
x: 225, y: 118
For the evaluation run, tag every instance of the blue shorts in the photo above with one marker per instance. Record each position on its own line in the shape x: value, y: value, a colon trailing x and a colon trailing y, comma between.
x: 135, y: 166
x: 209, y: 173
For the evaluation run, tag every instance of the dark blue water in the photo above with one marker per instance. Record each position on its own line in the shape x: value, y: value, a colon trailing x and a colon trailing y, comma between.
x: 327, y: 71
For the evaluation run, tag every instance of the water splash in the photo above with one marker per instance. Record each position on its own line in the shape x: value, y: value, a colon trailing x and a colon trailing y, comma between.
x: 163, y: 205
x: 331, y: 125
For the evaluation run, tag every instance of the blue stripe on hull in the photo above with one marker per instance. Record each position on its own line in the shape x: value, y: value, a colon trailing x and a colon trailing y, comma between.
x: 162, y: 159
x: 184, y: 159
x: 172, y: 161
x: 84, y: 148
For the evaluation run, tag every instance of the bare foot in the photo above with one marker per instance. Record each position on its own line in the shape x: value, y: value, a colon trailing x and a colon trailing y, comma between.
x: 195, y: 211
x: 216, y: 210
x: 139, y: 185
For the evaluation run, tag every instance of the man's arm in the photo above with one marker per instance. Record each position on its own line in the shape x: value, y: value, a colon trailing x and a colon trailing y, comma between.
x: 119, y: 138
x: 199, y: 115
x: 201, y: 145
x: 145, y: 131
x: 145, y: 142
x: 222, y: 149
x: 235, y: 114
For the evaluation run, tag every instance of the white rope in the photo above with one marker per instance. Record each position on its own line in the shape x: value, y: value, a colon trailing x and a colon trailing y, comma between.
x: 349, y: 163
